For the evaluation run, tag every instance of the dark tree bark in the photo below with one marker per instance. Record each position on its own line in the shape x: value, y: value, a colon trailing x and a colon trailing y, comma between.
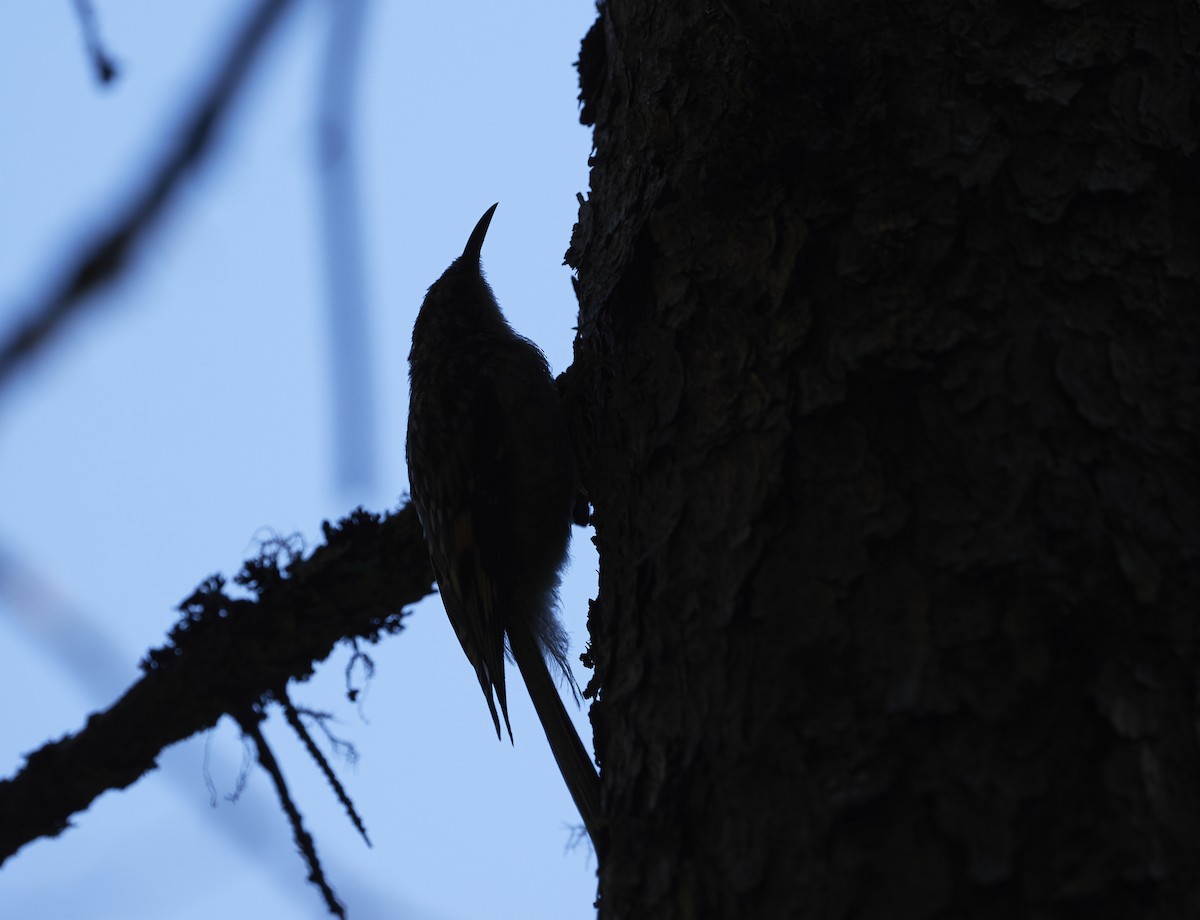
x: 886, y: 394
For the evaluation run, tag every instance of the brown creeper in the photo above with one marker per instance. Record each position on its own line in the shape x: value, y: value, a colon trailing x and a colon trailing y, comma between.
x: 493, y: 479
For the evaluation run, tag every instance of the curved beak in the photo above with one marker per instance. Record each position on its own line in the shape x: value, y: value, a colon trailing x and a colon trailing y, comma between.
x: 475, y: 243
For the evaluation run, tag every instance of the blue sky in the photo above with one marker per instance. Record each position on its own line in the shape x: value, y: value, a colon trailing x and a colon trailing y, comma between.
x: 189, y: 412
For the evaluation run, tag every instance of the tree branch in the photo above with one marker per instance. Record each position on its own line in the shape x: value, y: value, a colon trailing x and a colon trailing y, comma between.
x: 304, y: 842
x: 224, y: 656
x: 341, y: 224
x: 102, y: 62
x: 293, y: 719
x: 103, y: 260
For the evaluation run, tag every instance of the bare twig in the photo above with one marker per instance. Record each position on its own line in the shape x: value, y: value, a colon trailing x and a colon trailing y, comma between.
x: 102, y: 62
x: 109, y: 252
x: 340, y: 746
x: 293, y: 719
x: 304, y: 842
x: 341, y: 222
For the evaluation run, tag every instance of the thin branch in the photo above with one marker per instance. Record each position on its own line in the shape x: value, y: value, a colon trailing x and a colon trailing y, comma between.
x: 353, y: 693
x: 102, y: 62
x: 225, y: 656
x: 108, y: 254
x: 293, y: 719
x: 73, y: 638
x: 340, y: 746
x: 341, y: 222
x: 304, y: 842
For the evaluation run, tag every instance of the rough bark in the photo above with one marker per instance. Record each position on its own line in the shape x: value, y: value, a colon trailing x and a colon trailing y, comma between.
x: 886, y: 394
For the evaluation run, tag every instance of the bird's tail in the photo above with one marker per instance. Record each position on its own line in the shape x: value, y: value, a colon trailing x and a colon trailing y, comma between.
x: 573, y: 759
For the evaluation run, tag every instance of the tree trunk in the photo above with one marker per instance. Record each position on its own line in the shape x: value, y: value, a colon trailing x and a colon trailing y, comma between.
x: 886, y: 397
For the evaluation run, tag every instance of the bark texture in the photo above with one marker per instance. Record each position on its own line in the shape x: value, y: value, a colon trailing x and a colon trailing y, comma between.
x: 886, y: 394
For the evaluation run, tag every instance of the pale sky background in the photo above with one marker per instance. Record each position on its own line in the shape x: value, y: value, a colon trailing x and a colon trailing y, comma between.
x: 189, y: 411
